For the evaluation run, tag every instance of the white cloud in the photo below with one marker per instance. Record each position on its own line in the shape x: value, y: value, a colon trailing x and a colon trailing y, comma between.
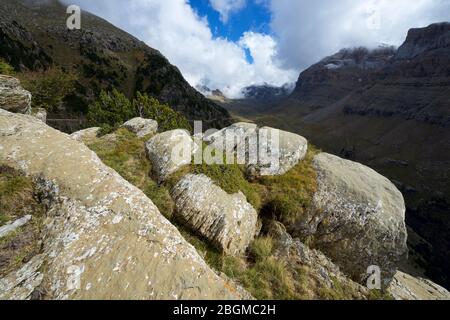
x: 304, y: 31
x: 185, y: 38
x: 309, y: 30
x: 226, y: 7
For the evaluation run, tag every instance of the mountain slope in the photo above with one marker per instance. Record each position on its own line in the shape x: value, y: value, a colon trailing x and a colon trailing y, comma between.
x: 33, y: 36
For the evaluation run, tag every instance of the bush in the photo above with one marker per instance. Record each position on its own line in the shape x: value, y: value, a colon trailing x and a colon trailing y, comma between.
x: 49, y: 88
x: 6, y: 68
x: 112, y: 109
x: 167, y: 118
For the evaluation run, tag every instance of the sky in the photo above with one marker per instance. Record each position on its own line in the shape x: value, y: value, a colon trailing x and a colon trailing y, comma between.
x: 231, y: 44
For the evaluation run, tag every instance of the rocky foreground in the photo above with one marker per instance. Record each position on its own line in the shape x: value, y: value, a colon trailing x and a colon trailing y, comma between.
x: 102, y: 238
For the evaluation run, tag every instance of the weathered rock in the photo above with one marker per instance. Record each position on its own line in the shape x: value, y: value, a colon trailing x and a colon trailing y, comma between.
x: 227, y: 221
x: 322, y: 269
x: 169, y: 151
x: 282, y: 151
x: 13, y: 226
x: 40, y: 113
x: 406, y: 287
x: 230, y: 137
x: 265, y: 151
x: 102, y: 238
x: 86, y: 136
x: 13, y: 97
x: 141, y: 127
x: 358, y: 218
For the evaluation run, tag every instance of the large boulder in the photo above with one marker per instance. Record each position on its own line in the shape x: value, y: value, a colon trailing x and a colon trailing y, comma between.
x: 265, y: 151
x: 407, y: 287
x: 141, y: 127
x: 230, y: 137
x: 102, y: 237
x: 280, y: 151
x: 227, y: 221
x: 357, y: 218
x: 169, y: 151
x: 13, y: 97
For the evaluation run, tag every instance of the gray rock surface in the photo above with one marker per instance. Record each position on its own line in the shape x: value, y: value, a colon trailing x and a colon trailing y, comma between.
x: 13, y: 97
x: 227, y: 221
x: 103, y: 238
x: 406, y: 287
x: 230, y: 137
x: 141, y: 127
x: 13, y: 226
x: 358, y: 218
x: 265, y: 151
x: 322, y: 269
x: 169, y: 151
x: 283, y: 151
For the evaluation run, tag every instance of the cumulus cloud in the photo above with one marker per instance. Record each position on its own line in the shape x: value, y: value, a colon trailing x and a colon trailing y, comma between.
x: 310, y: 30
x: 303, y: 32
x: 185, y: 38
x: 226, y: 7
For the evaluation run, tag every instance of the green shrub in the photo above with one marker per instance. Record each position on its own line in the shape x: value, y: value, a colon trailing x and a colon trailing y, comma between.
x: 6, y: 68
x: 49, y: 88
x: 167, y: 118
x: 112, y: 109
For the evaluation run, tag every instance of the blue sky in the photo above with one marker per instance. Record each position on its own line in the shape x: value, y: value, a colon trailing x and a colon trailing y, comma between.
x: 254, y: 17
x: 231, y: 44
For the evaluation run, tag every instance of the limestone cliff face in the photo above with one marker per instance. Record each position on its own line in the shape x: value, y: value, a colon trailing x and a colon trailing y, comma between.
x: 103, y: 238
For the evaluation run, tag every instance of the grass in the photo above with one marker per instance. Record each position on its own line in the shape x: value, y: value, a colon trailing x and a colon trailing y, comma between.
x: 17, y: 199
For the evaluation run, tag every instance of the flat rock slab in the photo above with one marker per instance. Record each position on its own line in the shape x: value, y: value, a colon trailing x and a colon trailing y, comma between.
x: 406, y: 287
x: 13, y: 226
x: 103, y: 238
x: 141, y: 127
x: 227, y: 221
x: 13, y: 97
x: 358, y: 218
x: 169, y: 151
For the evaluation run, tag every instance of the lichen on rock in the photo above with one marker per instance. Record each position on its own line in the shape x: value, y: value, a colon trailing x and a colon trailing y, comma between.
x: 227, y: 221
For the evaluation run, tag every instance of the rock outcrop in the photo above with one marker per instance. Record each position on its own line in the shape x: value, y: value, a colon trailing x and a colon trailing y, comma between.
x: 321, y: 267
x: 13, y: 97
x: 279, y: 153
x: 13, y: 226
x: 406, y: 287
x: 227, y: 221
x: 102, y: 237
x: 265, y: 151
x: 229, y: 138
x: 141, y: 127
x: 358, y: 218
x: 169, y: 151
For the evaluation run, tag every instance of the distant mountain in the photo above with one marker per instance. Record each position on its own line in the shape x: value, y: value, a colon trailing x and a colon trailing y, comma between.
x: 266, y: 91
x: 33, y: 36
x: 389, y: 109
